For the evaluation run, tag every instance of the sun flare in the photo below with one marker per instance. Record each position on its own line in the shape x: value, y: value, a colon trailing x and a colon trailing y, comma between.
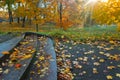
x: 104, y: 0
x: 91, y: 2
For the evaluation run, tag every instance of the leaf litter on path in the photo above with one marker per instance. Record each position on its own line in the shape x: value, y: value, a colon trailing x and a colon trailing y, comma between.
x: 99, y: 60
x: 22, y: 53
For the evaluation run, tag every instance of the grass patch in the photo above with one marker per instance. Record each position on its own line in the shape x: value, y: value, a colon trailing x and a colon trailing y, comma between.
x: 73, y: 33
x: 81, y: 34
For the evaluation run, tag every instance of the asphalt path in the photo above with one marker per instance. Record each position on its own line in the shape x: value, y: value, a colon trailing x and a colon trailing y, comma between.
x: 9, y: 44
x: 98, y: 60
x: 24, y: 72
x: 5, y: 37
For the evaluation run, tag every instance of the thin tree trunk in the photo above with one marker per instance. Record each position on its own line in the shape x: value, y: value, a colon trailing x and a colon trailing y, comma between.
x: 37, y: 28
x: 10, y: 14
x: 60, y: 15
x: 18, y: 19
x: 23, y: 24
x: 30, y: 21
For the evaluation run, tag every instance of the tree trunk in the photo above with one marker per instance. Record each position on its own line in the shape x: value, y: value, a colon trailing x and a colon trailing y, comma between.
x: 18, y: 19
x: 30, y: 21
x: 36, y: 27
x: 23, y: 24
x: 60, y: 15
x: 10, y: 14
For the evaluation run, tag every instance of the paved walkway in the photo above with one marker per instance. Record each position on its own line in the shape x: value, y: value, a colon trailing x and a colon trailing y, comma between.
x: 8, y: 45
x: 93, y: 61
x: 45, y: 52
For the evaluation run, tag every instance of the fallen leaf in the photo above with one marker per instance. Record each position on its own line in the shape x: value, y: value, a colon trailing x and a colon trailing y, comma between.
x: 75, y: 62
x: 101, y: 60
x: 6, y: 71
x: 78, y: 66
x: 32, y: 72
x: 84, y: 72
x: 41, y: 58
x: 112, y: 42
x: 80, y: 58
x: 67, y: 70
x: 68, y: 56
x: 42, y: 75
x: 70, y: 47
x: 109, y: 77
x: 118, y: 75
x: 18, y: 65
x: 16, y: 49
x: 96, y: 63
x: 101, y: 52
x: 95, y: 70
x: 5, y: 52
x: 27, y: 56
x: 85, y: 59
x: 1, y: 70
x: 33, y: 51
x: 110, y: 67
x: 48, y: 57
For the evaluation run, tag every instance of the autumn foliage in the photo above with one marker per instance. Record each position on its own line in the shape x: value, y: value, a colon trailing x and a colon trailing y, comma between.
x: 107, y: 12
x: 63, y: 13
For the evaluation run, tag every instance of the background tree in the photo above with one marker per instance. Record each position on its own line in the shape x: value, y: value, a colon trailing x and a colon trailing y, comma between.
x: 63, y: 13
x: 27, y: 10
x: 107, y: 12
x: 9, y: 4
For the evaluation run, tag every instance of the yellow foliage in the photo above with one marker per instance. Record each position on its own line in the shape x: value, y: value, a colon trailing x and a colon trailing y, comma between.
x: 106, y: 12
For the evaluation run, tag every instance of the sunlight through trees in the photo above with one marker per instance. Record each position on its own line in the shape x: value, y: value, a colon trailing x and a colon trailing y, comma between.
x: 63, y: 13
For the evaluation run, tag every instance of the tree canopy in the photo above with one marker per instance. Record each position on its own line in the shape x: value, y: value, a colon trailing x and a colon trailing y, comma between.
x: 64, y: 13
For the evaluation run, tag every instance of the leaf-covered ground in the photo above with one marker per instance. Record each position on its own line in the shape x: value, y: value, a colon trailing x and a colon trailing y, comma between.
x: 97, y: 60
x: 29, y: 60
x: 88, y: 60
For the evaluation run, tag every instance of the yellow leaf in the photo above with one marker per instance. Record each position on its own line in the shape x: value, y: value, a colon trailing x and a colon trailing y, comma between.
x: 101, y: 60
x: 109, y: 77
x: 67, y: 70
x: 33, y: 51
x: 111, y: 67
x: 27, y: 56
x: 112, y: 42
x: 95, y: 71
x: 41, y: 58
x: 118, y: 74
x: 101, y: 52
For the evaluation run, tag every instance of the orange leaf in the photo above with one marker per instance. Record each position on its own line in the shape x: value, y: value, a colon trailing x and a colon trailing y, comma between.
x: 18, y: 65
x: 5, y: 52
